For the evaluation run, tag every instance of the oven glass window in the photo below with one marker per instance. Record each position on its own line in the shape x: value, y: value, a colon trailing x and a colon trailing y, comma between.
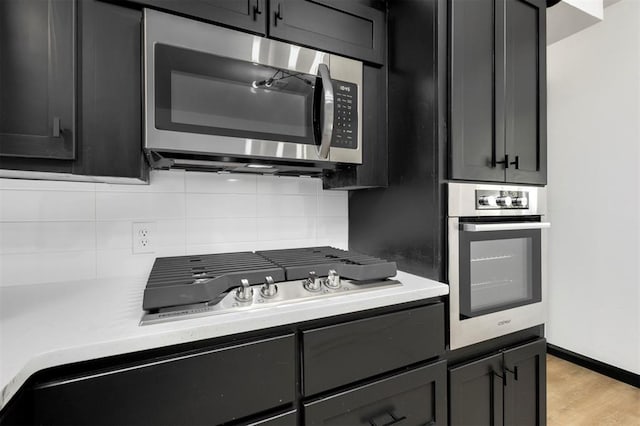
x: 196, y: 92
x: 501, y: 273
x: 499, y: 270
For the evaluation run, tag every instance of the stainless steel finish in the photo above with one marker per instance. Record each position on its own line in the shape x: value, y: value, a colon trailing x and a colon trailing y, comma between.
x: 268, y: 289
x: 313, y: 283
x: 521, y: 201
x: 462, y: 200
x: 327, y: 112
x: 504, y: 201
x: 244, y: 293
x: 288, y: 292
x: 333, y: 280
x: 483, y: 227
x: 465, y: 200
x: 189, y: 34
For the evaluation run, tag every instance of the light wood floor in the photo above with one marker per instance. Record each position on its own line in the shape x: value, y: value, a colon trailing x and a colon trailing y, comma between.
x: 578, y: 396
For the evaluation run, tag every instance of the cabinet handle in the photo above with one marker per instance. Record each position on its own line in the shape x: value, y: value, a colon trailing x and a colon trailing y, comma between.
x: 56, y: 127
x: 505, y: 161
x: 394, y: 420
x: 256, y: 10
x: 514, y: 372
x: 278, y: 15
x: 517, y: 162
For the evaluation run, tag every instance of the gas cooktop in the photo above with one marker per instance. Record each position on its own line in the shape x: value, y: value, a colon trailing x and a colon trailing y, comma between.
x: 192, y: 286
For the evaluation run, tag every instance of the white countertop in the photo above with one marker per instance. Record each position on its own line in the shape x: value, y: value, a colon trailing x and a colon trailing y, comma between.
x: 48, y: 325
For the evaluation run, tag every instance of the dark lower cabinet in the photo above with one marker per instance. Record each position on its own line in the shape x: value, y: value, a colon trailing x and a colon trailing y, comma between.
x: 508, y: 388
x: 416, y: 397
x: 210, y: 387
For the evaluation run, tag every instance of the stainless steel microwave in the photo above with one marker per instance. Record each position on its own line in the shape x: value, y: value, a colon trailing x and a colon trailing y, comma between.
x: 213, y: 94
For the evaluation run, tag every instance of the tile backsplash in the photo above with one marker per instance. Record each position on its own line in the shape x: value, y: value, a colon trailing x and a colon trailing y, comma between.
x: 57, y: 231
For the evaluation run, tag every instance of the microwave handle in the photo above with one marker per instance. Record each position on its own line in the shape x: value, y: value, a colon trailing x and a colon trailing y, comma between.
x: 327, y: 112
x: 482, y: 227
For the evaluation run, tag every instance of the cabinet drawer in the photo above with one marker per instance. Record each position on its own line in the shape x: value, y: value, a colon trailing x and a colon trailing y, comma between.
x: 417, y: 397
x: 344, y: 353
x: 210, y: 387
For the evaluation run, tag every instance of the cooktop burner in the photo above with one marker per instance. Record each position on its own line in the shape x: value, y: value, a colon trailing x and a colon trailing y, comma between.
x: 188, y: 286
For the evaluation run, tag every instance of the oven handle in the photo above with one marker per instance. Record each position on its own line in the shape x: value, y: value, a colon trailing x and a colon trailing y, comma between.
x: 482, y: 227
x: 327, y: 112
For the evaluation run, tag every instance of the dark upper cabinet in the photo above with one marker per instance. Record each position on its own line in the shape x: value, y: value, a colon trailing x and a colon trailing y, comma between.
x: 249, y: 15
x: 507, y: 388
x: 498, y: 91
x: 71, y: 89
x: 37, y: 78
x: 347, y: 28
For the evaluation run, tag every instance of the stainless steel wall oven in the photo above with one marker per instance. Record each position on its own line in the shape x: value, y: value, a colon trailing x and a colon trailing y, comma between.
x: 496, y: 260
x: 212, y: 92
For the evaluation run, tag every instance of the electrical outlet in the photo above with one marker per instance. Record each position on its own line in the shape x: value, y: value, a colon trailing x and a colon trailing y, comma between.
x: 143, y: 234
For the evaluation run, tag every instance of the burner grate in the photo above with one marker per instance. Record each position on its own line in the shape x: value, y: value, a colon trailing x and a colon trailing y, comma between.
x: 204, y: 278
x: 351, y: 265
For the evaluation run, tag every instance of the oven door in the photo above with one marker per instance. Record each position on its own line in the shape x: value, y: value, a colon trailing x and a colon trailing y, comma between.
x: 211, y: 90
x: 496, y: 277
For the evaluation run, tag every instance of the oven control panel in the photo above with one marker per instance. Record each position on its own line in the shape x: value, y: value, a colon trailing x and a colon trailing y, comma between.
x: 488, y: 199
x: 345, y: 123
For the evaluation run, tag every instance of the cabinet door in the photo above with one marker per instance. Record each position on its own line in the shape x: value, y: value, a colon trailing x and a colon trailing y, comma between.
x: 342, y: 27
x: 525, y: 90
x: 248, y: 15
x: 476, y: 392
x: 477, y: 129
x: 417, y: 397
x: 37, y: 78
x: 212, y: 387
x: 525, y: 387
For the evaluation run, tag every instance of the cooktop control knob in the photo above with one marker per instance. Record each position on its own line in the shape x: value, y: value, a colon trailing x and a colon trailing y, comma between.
x: 521, y: 202
x: 333, y: 280
x: 244, y: 293
x: 268, y: 289
x: 488, y: 200
x: 313, y: 283
x: 504, y: 201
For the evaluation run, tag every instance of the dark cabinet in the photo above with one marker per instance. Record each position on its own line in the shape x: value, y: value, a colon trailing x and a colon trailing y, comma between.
x: 508, y: 388
x: 416, y: 397
x: 340, y: 354
x: 249, y: 15
x: 343, y: 27
x: 209, y: 387
x: 498, y: 91
x: 71, y: 89
x: 37, y: 79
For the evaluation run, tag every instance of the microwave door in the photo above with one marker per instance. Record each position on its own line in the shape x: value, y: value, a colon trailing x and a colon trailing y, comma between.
x: 323, y: 111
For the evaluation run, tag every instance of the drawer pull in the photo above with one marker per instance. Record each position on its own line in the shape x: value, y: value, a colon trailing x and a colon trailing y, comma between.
x: 395, y: 420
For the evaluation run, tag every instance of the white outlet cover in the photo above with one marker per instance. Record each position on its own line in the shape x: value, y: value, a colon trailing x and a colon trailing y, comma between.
x: 143, y: 237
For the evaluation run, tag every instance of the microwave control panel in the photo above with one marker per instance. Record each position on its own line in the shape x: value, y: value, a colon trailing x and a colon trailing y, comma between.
x: 345, y: 121
x: 501, y: 200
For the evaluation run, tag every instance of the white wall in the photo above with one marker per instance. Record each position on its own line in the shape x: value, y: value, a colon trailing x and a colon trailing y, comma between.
x: 594, y: 189
x: 57, y: 231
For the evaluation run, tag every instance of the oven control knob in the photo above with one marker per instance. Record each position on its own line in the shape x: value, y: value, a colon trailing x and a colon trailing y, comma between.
x: 333, y: 280
x: 244, y: 293
x: 488, y: 200
x: 268, y: 289
x: 504, y: 201
x: 520, y: 202
x: 313, y: 283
